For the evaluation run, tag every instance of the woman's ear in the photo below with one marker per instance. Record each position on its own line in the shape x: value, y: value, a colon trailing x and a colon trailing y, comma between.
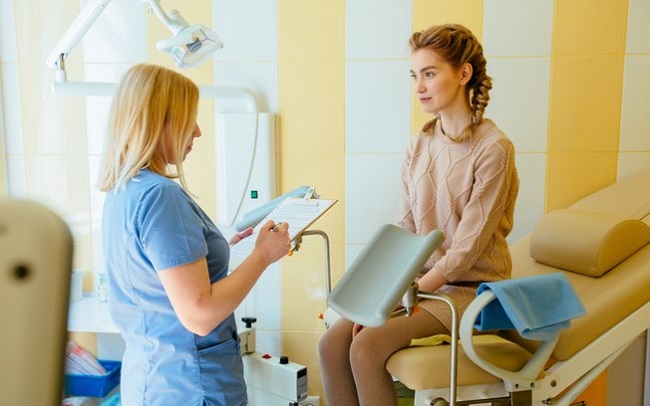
x: 466, y: 72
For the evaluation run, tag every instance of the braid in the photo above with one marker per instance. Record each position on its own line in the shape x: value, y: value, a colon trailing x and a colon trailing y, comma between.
x: 480, y: 84
x: 480, y: 97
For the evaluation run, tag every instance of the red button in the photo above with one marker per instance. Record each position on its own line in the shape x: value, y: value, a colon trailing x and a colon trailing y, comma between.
x: 266, y: 356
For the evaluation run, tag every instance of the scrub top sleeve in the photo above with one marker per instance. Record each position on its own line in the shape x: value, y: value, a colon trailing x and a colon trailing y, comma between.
x: 170, y: 230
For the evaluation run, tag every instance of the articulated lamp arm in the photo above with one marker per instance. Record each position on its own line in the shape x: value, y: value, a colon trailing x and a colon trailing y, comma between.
x: 76, y: 31
x: 190, y: 45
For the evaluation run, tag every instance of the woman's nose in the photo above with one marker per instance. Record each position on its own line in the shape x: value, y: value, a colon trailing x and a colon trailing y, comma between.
x: 419, y: 86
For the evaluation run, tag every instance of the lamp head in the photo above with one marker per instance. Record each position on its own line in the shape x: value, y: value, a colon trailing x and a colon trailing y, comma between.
x: 191, y: 45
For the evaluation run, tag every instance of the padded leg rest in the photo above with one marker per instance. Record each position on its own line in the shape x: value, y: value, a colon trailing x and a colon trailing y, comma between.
x: 427, y: 367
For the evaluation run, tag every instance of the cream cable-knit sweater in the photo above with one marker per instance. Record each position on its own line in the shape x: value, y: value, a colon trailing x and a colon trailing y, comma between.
x: 467, y: 190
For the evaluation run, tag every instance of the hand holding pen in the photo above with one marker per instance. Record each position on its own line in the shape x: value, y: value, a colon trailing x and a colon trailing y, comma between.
x: 273, y: 240
x: 277, y: 226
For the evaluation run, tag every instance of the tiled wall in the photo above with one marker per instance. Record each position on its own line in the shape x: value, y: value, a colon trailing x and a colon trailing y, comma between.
x: 517, y: 44
x: 311, y: 82
x: 634, y: 143
x: 571, y: 89
x: 250, y: 59
x: 585, y: 102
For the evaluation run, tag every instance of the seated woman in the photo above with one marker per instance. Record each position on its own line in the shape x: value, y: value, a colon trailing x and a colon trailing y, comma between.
x: 459, y: 177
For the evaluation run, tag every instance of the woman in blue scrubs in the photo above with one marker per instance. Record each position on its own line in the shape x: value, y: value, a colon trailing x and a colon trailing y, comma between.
x: 170, y: 293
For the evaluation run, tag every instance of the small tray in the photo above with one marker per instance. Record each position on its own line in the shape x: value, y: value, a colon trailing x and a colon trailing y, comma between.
x: 94, y: 385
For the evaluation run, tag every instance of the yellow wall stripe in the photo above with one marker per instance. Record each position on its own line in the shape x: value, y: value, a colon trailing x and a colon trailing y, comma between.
x: 585, y: 98
x: 311, y: 87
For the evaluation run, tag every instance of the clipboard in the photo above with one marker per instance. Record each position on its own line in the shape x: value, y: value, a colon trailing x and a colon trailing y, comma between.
x: 298, y: 213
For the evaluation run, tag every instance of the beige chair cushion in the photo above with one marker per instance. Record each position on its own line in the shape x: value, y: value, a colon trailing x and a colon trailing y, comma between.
x: 586, y: 242
x: 427, y: 367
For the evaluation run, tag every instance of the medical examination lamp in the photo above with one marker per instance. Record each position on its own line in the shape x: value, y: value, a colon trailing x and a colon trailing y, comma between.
x: 190, y: 46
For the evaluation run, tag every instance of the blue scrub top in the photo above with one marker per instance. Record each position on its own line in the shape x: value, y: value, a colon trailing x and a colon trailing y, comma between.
x: 150, y: 225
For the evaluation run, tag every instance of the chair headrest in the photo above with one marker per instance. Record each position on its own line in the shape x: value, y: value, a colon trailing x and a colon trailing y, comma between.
x: 586, y: 242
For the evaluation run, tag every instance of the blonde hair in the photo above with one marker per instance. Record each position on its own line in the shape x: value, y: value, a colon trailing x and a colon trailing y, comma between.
x: 457, y: 45
x: 152, y: 118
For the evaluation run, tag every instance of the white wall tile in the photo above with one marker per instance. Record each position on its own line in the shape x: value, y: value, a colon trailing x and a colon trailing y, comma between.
x: 633, y: 163
x: 635, y: 106
x: 259, y: 77
x: 264, y: 301
x: 372, y: 186
x: 98, y: 107
x: 96, y: 197
x: 57, y: 128
x: 248, y: 29
x: 517, y: 27
x: 97, y: 110
x: 106, y: 72
x: 119, y: 33
x: 377, y: 106
x: 16, y: 176
x: 268, y: 342
x: 46, y: 180
x: 12, y: 111
x: 98, y: 259
x: 267, y: 299
x: 638, y: 29
x: 351, y: 252
x: 519, y: 100
x: 8, y: 49
x: 61, y: 183
x: 530, y: 205
x: 378, y: 28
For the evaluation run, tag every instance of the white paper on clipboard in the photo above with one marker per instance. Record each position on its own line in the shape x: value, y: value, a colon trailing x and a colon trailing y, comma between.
x: 298, y: 213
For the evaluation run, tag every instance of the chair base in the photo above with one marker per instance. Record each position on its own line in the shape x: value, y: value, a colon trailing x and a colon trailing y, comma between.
x: 490, y: 395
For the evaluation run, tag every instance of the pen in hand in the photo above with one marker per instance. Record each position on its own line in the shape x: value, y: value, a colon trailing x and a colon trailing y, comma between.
x: 276, y: 227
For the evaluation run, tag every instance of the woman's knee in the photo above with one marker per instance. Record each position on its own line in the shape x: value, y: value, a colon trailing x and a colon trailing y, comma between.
x: 334, y: 343
x: 325, y: 345
x: 365, y: 352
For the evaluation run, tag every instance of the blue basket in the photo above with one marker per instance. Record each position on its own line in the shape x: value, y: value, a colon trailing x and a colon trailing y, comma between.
x: 94, y: 385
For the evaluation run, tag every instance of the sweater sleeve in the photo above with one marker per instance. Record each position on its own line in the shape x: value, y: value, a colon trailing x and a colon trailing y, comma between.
x: 404, y: 213
x: 482, y: 216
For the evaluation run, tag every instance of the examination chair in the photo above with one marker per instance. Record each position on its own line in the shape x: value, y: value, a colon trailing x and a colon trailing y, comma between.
x: 601, y: 245
x: 35, y: 267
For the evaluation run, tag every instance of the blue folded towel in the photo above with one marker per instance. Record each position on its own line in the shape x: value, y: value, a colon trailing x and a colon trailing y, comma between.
x: 536, y: 306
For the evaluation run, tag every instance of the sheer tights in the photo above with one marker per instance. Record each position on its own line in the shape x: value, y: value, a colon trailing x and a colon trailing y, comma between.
x: 353, y: 370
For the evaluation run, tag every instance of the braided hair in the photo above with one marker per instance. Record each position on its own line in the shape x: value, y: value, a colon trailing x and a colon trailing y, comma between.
x: 457, y: 45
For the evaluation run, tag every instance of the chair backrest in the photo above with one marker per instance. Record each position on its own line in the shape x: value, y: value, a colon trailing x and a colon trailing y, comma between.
x: 35, y: 269
x: 380, y: 275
